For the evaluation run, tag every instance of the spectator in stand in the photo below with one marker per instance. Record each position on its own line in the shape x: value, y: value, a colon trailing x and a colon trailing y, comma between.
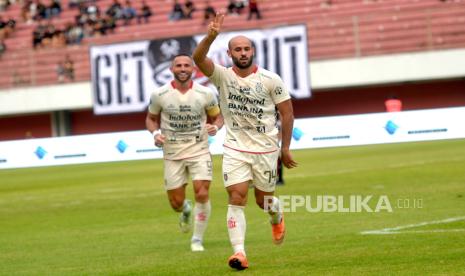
x: 54, y: 9
x: 59, y: 39
x: 74, y: 33
x: 115, y: 10
x: 68, y: 64
x: 10, y: 26
x: 3, y: 32
x: 32, y: 12
x: 129, y: 13
x: 73, y: 4
x: 93, y: 12
x: 25, y: 14
x: 235, y: 7
x: 2, y: 47
x: 88, y: 29
x: 110, y: 24
x: 60, y: 70
x: 65, y: 69
x: 145, y: 13
x: 177, y: 13
x: 11, y: 23
x: 209, y: 12
x: 83, y: 17
x: 253, y: 9
x: 4, y: 4
x: 48, y: 35
x: 96, y: 29
x: 40, y: 10
x: 189, y: 9
x: 6, y: 27
x: 38, y: 35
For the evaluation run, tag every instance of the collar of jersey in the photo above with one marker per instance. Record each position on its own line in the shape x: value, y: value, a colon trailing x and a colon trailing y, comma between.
x: 255, y: 69
x: 173, y: 84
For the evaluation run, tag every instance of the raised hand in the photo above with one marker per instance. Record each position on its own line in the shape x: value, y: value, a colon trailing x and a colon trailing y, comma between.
x: 214, y: 27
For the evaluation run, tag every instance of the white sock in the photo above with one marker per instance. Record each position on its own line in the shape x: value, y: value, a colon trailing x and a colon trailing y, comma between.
x: 275, y: 211
x: 201, y: 214
x: 236, y: 227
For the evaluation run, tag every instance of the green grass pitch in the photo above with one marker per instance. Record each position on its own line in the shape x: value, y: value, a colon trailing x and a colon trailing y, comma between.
x: 114, y: 218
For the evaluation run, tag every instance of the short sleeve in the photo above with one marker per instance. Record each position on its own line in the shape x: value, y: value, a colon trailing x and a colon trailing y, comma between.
x: 279, y: 92
x: 218, y: 72
x: 154, y: 105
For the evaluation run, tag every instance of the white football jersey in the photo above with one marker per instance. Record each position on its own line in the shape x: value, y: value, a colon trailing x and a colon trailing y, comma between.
x: 183, y: 118
x: 248, y: 106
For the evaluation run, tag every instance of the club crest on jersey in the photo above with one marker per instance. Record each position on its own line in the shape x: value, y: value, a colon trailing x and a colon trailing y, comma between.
x: 259, y: 88
x: 171, y: 108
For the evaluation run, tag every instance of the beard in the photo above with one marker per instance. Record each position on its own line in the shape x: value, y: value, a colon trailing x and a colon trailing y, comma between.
x: 182, y: 79
x: 240, y: 65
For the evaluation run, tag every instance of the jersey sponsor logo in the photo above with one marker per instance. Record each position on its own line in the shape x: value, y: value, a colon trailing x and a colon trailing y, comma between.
x: 246, y: 100
x: 185, y: 108
x: 184, y: 117
x: 245, y: 90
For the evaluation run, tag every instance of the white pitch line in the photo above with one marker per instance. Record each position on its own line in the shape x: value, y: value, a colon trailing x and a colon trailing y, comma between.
x: 395, y: 230
x: 431, y: 231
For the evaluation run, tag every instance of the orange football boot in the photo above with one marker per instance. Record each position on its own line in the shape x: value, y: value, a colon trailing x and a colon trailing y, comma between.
x: 238, y: 261
x: 278, y: 231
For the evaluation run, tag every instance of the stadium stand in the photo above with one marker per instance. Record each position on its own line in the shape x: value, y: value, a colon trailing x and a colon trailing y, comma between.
x: 346, y: 28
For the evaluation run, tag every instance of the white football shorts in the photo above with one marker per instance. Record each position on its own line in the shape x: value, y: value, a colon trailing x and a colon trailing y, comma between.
x: 177, y: 171
x: 258, y: 168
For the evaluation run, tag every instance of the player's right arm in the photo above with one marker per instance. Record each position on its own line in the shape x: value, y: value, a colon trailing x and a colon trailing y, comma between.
x: 152, y: 123
x: 152, y: 120
x: 204, y: 63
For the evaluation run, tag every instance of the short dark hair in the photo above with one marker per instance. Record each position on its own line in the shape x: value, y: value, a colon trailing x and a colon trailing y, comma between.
x: 182, y: 55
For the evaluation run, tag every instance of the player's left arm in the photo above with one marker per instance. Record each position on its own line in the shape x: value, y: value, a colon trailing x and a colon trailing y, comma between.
x: 215, y: 120
x: 282, y: 100
x: 286, y: 114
